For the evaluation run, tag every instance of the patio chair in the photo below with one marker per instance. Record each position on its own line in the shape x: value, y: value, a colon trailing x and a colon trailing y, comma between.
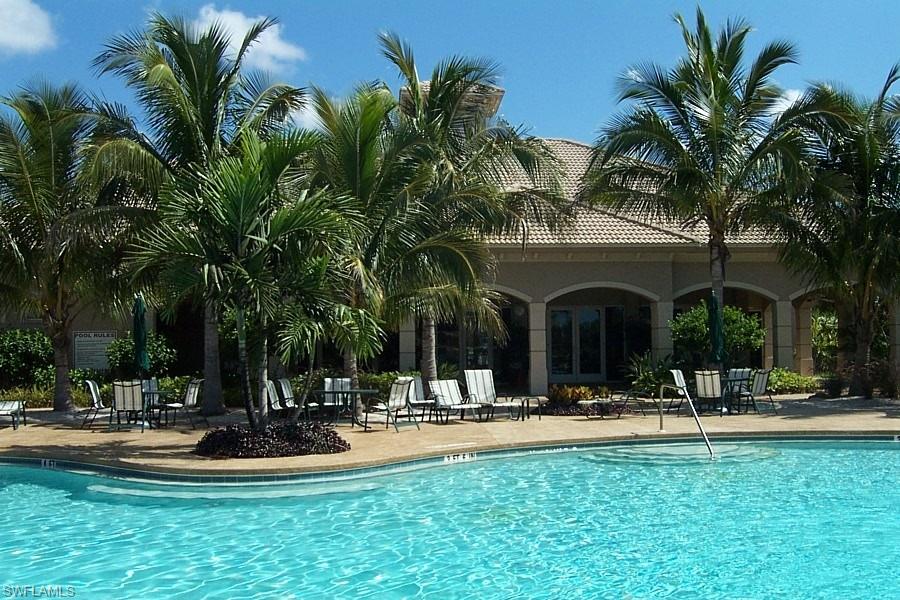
x: 397, y: 401
x: 480, y: 386
x: 14, y: 409
x: 680, y: 389
x: 128, y: 398
x: 96, y: 402
x: 332, y: 399
x: 190, y: 403
x: 418, y: 399
x: 709, y: 387
x: 277, y: 405
x: 759, y: 389
x: 448, y: 398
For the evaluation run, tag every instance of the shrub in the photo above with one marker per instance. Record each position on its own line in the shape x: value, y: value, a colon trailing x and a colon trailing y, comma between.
x: 785, y: 381
x: 824, y: 335
x: 42, y: 398
x: 120, y: 354
x: 690, y: 335
x: 647, y: 375
x: 285, y: 438
x: 567, y: 395
x: 23, y: 352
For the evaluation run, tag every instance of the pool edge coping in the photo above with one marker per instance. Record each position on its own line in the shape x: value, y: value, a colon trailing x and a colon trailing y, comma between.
x: 164, y: 475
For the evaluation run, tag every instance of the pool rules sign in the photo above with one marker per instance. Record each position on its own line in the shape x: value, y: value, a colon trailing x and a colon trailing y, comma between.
x: 89, y: 349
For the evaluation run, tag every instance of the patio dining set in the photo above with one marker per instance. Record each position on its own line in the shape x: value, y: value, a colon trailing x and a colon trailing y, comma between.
x: 736, y: 392
x: 144, y: 404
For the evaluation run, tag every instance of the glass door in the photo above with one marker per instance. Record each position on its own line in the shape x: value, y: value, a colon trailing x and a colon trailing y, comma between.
x: 590, y: 342
x: 562, y: 344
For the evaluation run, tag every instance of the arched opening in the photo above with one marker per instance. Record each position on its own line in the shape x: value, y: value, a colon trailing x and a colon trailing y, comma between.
x: 593, y: 331
x: 752, y: 302
x: 462, y: 347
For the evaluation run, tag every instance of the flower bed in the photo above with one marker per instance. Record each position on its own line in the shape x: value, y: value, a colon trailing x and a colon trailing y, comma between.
x: 276, y: 440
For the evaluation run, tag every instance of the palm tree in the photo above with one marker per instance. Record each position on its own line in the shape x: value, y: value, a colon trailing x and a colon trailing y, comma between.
x: 704, y: 143
x: 843, y: 234
x: 400, y: 248
x: 253, y: 226
x: 199, y: 101
x: 483, y: 175
x: 61, y: 237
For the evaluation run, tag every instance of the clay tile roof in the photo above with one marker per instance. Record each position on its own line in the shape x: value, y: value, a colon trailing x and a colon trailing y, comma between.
x: 602, y: 227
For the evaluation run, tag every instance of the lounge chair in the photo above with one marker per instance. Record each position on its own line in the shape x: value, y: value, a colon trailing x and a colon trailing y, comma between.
x: 679, y: 388
x: 759, y: 389
x: 448, y: 398
x: 709, y: 388
x: 418, y: 399
x: 128, y: 398
x: 96, y: 402
x: 332, y: 399
x: 190, y: 404
x: 14, y: 409
x: 277, y: 404
x: 480, y: 386
x: 397, y: 401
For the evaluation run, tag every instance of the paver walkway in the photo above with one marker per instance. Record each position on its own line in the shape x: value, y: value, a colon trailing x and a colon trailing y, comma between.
x: 53, y: 436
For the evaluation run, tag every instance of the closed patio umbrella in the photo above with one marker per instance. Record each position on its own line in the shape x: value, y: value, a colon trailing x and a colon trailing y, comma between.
x: 141, y: 358
x: 716, y: 332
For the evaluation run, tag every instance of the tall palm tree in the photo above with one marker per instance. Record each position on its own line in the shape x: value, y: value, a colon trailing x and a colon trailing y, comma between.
x: 199, y: 100
x: 252, y: 226
x: 843, y: 234
x: 401, y: 248
x: 482, y: 174
x: 704, y: 143
x: 61, y: 237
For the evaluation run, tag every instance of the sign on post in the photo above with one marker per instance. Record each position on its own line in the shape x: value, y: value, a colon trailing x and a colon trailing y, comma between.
x: 89, y: 349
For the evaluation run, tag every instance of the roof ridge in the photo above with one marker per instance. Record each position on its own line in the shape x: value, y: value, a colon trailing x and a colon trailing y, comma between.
x: 568, y: 140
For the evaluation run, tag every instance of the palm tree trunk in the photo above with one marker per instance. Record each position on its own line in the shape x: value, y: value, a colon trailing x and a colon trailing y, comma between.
x: 846, y: 339
x: 212, y: 372
x: 429, y: 350
x: 860, y: 382
x: 718, y: 256
x: 351, y: 371
x: 62, y: 388
x: 263, y: 375
x: 244, y: 368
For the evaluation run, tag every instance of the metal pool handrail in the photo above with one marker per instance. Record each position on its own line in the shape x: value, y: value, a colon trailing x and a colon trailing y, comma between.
x: 687, y: 396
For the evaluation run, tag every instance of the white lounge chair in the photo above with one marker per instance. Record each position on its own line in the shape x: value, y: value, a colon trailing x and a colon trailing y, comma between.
x: 679, y: 388
x: 96, y: 402
x: 448, y: 398
x: 480, y: 386
x: 128, y: 398
x: 397, y: 401
x: 709, y: 388
x: 190, y: 404
x: 14, y: 409
x: 759, y: 389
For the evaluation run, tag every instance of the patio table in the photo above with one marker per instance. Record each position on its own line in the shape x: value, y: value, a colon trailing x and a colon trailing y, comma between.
x: 525, y: 406
x: 355, y: 396
x: 729, y: 385
x: 154, y: 400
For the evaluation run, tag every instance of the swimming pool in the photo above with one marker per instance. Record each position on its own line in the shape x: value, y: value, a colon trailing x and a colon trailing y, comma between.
x: 769, y: 520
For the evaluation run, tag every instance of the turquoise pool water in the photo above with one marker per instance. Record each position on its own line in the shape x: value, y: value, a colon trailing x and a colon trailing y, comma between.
x: 769, y: 520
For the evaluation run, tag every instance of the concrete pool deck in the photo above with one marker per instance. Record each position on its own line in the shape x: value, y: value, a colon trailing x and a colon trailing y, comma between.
x: 59, y: 437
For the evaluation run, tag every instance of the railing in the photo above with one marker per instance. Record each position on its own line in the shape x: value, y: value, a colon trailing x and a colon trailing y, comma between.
x: 712, y: 453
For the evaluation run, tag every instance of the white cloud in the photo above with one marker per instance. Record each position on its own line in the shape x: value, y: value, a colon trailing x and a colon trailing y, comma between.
x: 788, y: 97
x: 271, y: 52
x: 24, y: 28
x: 306, y: 117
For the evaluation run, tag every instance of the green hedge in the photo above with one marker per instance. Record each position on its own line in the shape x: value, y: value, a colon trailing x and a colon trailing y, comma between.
x: 23, y: 354
x: 120, y: 355
x: 785, y: 381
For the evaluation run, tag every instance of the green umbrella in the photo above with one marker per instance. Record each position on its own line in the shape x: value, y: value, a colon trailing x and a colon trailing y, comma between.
x: 141, y: 358
x: 716, y: 331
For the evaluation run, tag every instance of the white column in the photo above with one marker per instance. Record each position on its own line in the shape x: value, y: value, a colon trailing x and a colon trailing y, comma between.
x: 784, y: 334
x: 407, y: 353
x: 803, y: 362
x: 537, y: 348
x: 660, y: 333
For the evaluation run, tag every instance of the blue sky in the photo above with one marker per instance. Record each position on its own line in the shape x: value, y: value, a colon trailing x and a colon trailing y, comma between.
x: 560, y: 58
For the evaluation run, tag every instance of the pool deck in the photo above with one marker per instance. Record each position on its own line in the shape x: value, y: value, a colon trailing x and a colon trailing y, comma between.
x: 59, y: 437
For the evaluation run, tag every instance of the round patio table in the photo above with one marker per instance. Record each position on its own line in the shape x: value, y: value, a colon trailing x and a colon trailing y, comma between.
x: 355, y: 395
x: 729, y: 385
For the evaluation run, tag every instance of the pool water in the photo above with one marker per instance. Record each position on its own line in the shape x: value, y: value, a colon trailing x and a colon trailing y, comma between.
x: 768, y: 520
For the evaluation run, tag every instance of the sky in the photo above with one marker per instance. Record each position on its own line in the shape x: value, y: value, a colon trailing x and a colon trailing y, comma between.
x: 559, y: 58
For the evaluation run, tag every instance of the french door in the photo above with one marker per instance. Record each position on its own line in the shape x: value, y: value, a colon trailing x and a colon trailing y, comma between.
x: 587, y: 343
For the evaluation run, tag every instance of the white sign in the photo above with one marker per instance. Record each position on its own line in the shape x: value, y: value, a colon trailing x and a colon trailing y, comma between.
x: 89, y: 349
